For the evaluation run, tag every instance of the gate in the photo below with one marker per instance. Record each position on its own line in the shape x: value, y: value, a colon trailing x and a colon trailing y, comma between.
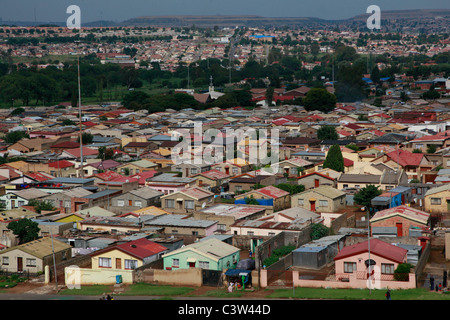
x: 211, y: 278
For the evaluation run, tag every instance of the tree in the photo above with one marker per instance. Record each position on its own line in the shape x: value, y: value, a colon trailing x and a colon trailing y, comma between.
x: 25, y: 229
x: 291, y: 188
x: 365, y: 195
x: 105, y: 153
x: 431, y: 94
x: 68, y: 122
x: 251, y: 200
x: 17, y: 111
x: 319, y: 231
x: 269, y: 95
x: 86, y: 138
x: 327, y: 133
x: 401, y: 273
x: 319, y: 99
x: 14, y: 136
x: 375, y: 75
x: 334, y: 159
x: 40, y: 206
x: 431, y: 148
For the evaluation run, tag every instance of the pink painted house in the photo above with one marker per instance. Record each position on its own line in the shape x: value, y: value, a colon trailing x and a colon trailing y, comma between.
x: 354, y: 260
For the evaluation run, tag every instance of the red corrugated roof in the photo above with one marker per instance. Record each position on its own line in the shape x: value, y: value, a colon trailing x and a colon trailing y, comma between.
x: 61, y: 164
x: 273, y: 192
x: 141, y: 248
x: 406, y: 158
x: 377, y: 247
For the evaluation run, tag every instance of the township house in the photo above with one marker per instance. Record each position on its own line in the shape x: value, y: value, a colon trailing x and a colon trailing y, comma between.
x: 233, y: 167
x: 169, y: 182
x: 387, y: 180
x: 353, y: 261
x: 211, y: 179
x: 128, y: 256
x: 190, y: 169
x: 245, y: 182
x: 292, y: 167
x: 437, y: 200
x: 33, y: 256
x: 320, y: 199
x: 135, y: 199
x: 209, y: 254
x: 315, y: 180
x: 400, y: 219
x: 188, y: 200
x: 271, y: 197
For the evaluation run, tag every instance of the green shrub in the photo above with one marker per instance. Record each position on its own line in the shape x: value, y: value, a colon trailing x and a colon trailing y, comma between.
x: 277, y: 254
x: 402, y: 272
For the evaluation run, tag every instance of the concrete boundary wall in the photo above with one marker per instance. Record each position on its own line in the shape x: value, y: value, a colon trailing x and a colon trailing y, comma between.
x: 78, y: 276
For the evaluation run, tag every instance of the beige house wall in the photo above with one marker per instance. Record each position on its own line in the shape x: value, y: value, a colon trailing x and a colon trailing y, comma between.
x: 333, y: 205
x: 75, y: 276
x: 443, y: 207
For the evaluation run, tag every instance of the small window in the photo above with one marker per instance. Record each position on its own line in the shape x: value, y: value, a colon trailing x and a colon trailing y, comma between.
x: 5, y: 261
x: 323, y: 203
x: 31, y: 262
x: 301, y: 202
x: 435, y: 201
x: 349, y: 267
x: 131, y: 264
x: 120, y: 203
x: 203, y: 265
x: 189, y: 204
x: 175, y: 262
x: 104, y: 262
x: 170, y: 203
x: 387, y: 268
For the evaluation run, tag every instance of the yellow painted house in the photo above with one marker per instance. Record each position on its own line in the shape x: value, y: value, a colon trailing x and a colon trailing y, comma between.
x: 67, y: 218
x: 128, y: 256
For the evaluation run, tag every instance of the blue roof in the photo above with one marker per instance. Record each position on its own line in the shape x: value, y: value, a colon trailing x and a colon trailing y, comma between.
x: 237, y: 272
x: 261, y: 36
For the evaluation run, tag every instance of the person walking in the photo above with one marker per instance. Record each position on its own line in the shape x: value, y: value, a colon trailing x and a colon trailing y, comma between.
x: 388, y: 294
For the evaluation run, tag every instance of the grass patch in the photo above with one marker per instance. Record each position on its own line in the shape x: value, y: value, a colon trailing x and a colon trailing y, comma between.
x: 95, y: 290
x: 6, y: 284
x: 358, y: 294
x: 145, y: 289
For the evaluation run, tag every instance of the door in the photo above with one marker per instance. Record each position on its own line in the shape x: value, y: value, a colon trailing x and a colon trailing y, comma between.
x: 191, y: 264
x: 118, y: 263
x: 313, y: 205
x: 316, y: 183
x: 19, y: 264
x: 399, y: 226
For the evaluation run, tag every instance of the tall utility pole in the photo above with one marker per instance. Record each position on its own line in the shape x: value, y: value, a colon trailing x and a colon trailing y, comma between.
x: 79, y: 114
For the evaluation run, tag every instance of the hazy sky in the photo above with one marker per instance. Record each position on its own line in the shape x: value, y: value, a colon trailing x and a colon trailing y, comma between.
x: 119, y: 10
